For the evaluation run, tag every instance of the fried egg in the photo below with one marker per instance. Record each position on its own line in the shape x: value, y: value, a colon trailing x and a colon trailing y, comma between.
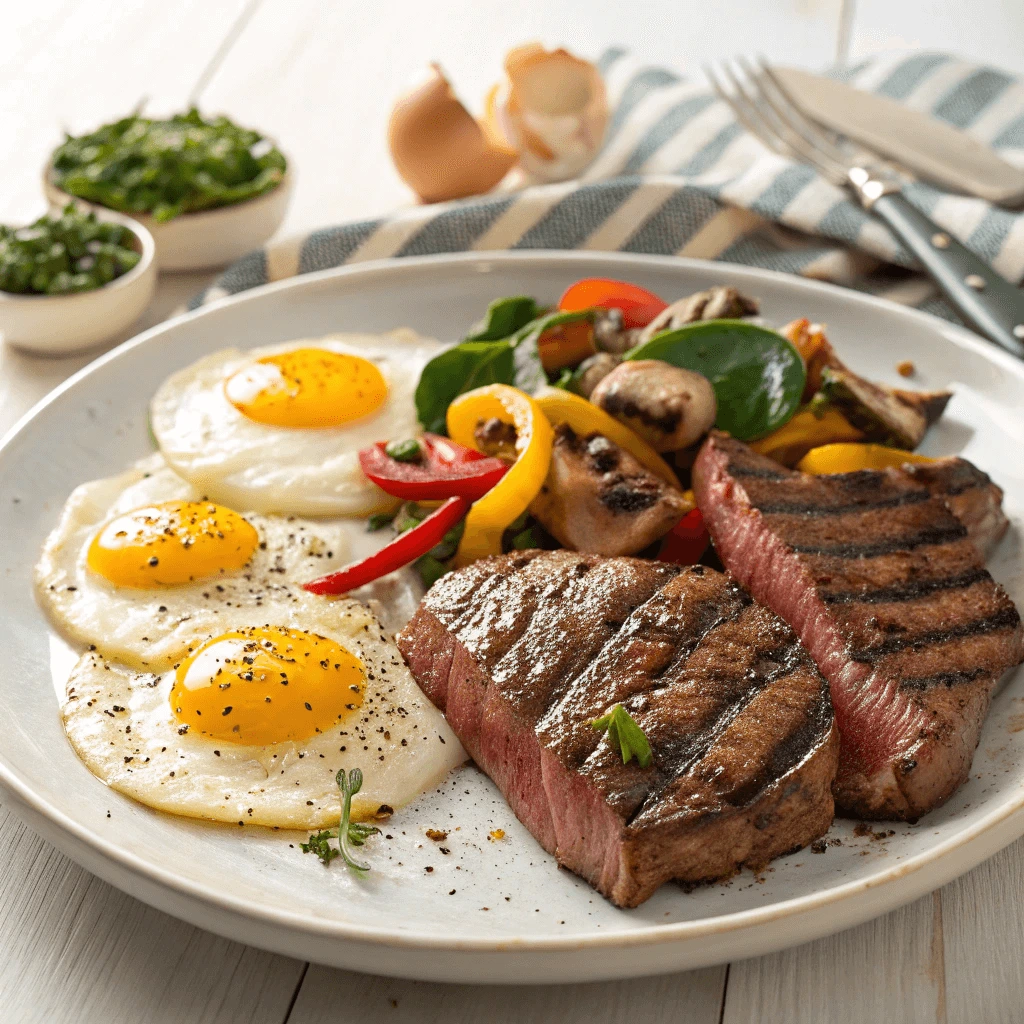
x: 279, y: 429
x: 254, y: 724
x: 142, y: 563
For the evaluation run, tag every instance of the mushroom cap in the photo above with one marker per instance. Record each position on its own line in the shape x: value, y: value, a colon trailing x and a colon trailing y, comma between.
x: 668, y: 406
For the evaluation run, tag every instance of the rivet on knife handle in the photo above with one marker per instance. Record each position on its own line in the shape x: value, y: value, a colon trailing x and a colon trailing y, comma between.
x: 987, y: 302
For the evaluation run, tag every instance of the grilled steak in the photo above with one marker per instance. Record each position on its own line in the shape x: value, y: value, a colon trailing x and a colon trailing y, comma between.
x: 881, y: 582
x: 523, y: 651
x: 970, y: 495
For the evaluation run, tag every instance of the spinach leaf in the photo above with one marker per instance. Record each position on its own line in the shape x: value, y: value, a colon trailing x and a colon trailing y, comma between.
x: 758, y: 376
x: 462, y: 368
x: 504, y: 317
x: 514, y: 359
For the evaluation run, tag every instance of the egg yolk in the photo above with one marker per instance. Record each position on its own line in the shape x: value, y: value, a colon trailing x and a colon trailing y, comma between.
x: 171, y: 543
x: 307, y: 387
x: 266, y: 685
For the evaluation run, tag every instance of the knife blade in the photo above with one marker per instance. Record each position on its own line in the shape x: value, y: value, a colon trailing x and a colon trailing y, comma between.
x: 932, y: 149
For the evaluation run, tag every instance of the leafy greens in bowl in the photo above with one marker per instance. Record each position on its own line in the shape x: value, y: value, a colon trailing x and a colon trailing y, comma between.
x: 168, y: 167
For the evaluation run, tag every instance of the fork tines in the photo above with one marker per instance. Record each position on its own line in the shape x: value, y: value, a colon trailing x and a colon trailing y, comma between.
x: 765, y: 108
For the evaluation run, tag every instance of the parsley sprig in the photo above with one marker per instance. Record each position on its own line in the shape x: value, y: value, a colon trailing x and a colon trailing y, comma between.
x: 625, y: 735
x: 349, y: 833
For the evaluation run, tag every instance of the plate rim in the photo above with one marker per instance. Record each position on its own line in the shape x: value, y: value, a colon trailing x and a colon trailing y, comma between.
x: 651, y: 934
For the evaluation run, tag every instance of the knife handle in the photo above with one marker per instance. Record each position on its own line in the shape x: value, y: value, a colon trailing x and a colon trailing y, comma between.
x: 987, y: 302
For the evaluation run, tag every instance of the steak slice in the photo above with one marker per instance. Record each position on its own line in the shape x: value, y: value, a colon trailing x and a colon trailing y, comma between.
x: 523, y: 651
x: 970, y: 495
x: 886, y: 590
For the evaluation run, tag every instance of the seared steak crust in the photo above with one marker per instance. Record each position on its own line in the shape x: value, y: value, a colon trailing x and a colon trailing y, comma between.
x: 523, y: 651
x: 970, y: 495
x: 881, y: 581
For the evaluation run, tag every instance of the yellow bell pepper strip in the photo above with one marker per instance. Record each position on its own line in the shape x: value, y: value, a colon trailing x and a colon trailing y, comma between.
x: 511, y: 496
x: 849, y: 458
x: 806, y: 430
x: 586, y: 418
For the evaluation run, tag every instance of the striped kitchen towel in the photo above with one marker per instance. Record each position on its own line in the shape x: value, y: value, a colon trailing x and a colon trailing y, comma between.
x: 678, y: 175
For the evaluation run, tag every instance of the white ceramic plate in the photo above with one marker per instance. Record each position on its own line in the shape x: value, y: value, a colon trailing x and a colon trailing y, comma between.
x: 487, y: 911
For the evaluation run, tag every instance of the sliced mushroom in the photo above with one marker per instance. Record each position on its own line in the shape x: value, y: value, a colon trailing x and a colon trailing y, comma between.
x: 610, y: 335
x: 720, y: 302
x: 931, y: 404
x: 592, y: 371
x: 598, y: 498
x: 667, y: 406
x: 878, y: 412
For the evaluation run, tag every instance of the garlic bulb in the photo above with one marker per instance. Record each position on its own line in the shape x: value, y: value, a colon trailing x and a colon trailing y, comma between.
x: 552, y: 109
x: 438, y: 149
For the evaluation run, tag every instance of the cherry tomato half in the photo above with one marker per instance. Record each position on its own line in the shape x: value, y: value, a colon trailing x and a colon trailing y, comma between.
x: 639, y: 306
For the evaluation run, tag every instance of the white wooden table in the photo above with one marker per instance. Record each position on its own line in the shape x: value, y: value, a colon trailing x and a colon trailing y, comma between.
x: 320, y: 77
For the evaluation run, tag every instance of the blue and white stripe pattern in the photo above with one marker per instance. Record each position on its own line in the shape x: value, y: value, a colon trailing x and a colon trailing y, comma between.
x: 678, y: 175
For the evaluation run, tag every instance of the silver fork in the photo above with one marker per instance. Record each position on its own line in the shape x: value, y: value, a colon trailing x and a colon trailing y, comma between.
x: 986, y: 301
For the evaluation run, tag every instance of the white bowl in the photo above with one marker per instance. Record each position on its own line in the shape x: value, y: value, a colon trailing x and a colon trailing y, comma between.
x: 207, y: 239
x: 62, y: 324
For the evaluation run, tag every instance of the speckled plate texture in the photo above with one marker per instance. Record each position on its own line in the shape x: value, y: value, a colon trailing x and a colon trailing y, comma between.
x: 479, y: 910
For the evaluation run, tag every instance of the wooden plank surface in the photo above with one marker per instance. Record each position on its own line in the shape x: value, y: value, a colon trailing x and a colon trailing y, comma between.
x: 983, y: 935
x: 339, y: 997
x: 322, y: 76
x: 74, y: 949
x: 890, y: 969
x: 989, y: 32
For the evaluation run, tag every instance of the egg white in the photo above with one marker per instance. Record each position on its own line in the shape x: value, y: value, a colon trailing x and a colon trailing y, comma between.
x: 242, y: 463
x: 121, y: 725
x: 151, y: 629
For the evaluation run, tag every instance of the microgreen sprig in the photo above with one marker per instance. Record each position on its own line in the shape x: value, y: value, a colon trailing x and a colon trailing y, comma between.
x: 349, y: 833
x: 625, y: 735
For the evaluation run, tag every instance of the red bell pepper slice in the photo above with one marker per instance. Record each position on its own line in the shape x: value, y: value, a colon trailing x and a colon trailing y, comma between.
x: 447, y: 470
x: 639, y: 306
x: 687, y: 540
x: 405, y: 548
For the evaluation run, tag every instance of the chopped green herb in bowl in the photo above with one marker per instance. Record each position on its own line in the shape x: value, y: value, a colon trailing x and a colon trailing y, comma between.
x: 168, y: 167
x: 64, y: 253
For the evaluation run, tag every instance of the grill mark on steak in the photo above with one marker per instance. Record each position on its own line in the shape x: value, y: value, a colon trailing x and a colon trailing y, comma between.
x: 1007, y: 618
x: 894, y: 604
x: 908, y: 591
x: 715, y: 617
x: 794, y: 508
x: 970, y: 495
x: 758, y: 472
x: 928, y: 535
x: 738, y: 717
x: 947, y: 679
x: 677, y: 758
x: 786, y: 752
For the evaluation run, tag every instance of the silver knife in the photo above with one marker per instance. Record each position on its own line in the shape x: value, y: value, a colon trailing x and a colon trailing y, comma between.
x: 932, y: 149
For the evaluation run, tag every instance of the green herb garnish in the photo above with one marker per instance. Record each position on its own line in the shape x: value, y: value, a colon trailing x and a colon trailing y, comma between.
x: 69, y: 252
x: 168, y: 167
x: 379, y: 520
x: 625, y: 735
x: 404, y: 451
x: 349, y: 833
x: 439, y: 559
